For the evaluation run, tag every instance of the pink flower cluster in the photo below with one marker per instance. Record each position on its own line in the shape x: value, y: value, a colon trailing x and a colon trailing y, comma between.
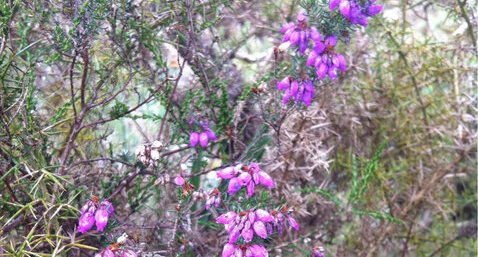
x: 318, y: 251
x: 203, y: 137
x: 356, y: 12
x: 94, y: 212
x: 213, y: 198
x: 325, y: 60
x: 248, y: 176
x: 247, y: 250
x: 115, y: 251
x: 246, y: 224
x: 300, y: 33
x: 300, y: 91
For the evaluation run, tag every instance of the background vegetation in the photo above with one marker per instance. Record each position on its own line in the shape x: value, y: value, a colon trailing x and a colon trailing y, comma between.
x: 383, y: 163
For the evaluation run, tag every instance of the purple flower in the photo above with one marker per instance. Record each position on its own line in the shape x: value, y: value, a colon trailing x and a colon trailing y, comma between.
x: 245, y: 224
x: 318, y: 251
x: 234, y: 234
x: 193, y: 139
x: 86, y: 222
x: 107, y: 253
x: 356, y: 12
x: 214, y: 198
x: 228, y: 250
x: 93, y: 212
x: 210, y: 134
x: 244, y: 250
x: 249, y: 177
x: 101, y: 218
x: 89, y: 206
x: 179, y: 180
x: 260, y: 229
x: 234, y: 186
x: 292, y: 222
x: 300, y: 33
x: 325, y: 60
x: 256, y: 251
x: 247, y: 233
x: 105, y: 204
x: 203, y: 137
x: 227, y: 173
x: 278, y: 221
x: 300, y: 91
x: 226, y: 218
x: 263, y: 215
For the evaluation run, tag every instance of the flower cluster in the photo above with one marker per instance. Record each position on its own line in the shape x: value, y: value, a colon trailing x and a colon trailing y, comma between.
x: 249, y: 223
x: 248, y: 250
x: 246, y: 224
x: 118, y: 249
x: 300, y: 91
x: 356, y: 12
x: 112, y: 252
x: 94, y: 212
x: 299, y: 34
x: 213, y: 198
x: 325, y: 60
x: 318, y: 251
x: 245, y: 175
x: 203, y: 137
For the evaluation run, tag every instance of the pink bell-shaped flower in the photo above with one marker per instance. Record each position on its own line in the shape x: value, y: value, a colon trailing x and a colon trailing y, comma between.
x: 193, y: 139
x: 227, y: 173
x: 228, y: 250
x: 264, y: 216
x: 234, y: 186
x: 260, y: 229
x: 265, y: 179
x: 179, y: 180
x: 86, y: 222
x: 293, y: 223
x: 203, y: 139
x: 226, y: 217
x: 101, y: 218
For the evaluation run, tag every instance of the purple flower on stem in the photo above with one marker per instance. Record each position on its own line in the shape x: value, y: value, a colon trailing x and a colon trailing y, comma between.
x: 300, y: 91
x: 94, y: 212
x: 203, y: 137
x: 107, y: 253
x: 356, y: 12
x: 279, y: 219
x: 318, y: 251
x: 214, y: 198
x: 246, y: 224
x: 226, y: 218
x: 256, y: 251
x: 245, y: 176
x: 260, y: 229
x: 227, y: 173
x: 179, y: 180
x: 86, y: 222
x: 234, y: 186
x: 101, y: 218
x: 244, y: 250
x: 193, y: 139
x: 300, y: 33
x: 325, y: 60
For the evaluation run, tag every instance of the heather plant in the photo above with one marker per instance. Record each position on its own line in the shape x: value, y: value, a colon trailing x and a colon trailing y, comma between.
x: 224, y: 128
